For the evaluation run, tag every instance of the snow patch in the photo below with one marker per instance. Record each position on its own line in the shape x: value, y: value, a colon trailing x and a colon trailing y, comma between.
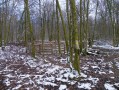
x: 101, y: 72
x: 85, y: 68
x: 83, y: 75
x: 49, y: 83
x: 111, y: 72
x: 70, y: 75
x: 17, y: 87
x: 117, y: 64
x: 117, y: 85
x: 84, y: 85
x: 63, y: 61
x: 62, y: 87
x: 95, y: 67
x: 107, y: 46
x: 94, y: 80
x: 109, y: 86
x: 7, y: 82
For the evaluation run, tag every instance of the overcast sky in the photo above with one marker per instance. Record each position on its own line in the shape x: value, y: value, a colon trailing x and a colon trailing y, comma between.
x: 62, y: 3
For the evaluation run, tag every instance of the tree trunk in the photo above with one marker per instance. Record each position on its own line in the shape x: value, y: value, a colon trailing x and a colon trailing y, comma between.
x: 30, y: 28
x: 75, y: 36
x: 63, y: 24
x: 58, y: 31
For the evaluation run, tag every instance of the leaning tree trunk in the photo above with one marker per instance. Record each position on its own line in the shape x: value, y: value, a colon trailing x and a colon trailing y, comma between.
x: 63, y: 24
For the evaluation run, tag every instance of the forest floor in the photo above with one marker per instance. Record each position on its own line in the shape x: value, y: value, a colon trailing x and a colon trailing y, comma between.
x: 19, y: 71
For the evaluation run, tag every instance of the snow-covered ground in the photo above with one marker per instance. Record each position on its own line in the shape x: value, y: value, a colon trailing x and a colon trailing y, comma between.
x: 105, y: 45
x: 21, y: 71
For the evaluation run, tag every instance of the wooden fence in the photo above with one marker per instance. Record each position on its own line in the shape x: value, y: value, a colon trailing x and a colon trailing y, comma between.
x: 49, y: 47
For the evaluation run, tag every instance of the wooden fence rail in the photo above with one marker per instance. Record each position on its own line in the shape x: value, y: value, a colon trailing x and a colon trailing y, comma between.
x: 49, y: 47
